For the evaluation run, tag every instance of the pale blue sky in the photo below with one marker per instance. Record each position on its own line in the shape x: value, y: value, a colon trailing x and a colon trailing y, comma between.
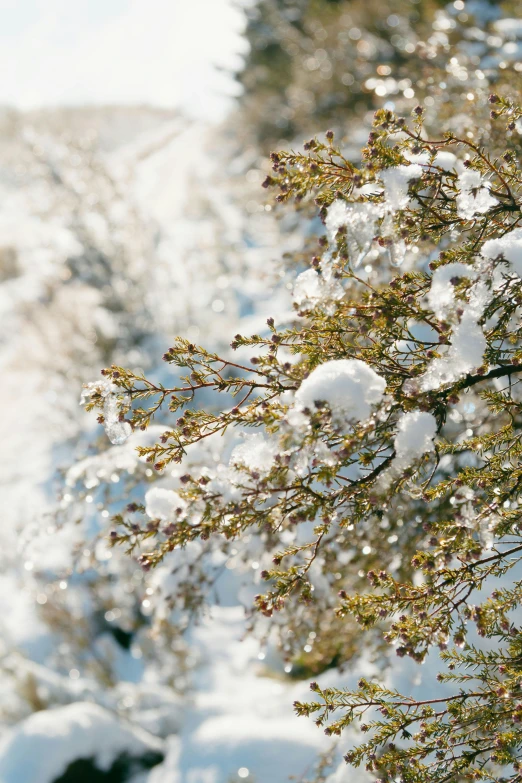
x: 161, y: 52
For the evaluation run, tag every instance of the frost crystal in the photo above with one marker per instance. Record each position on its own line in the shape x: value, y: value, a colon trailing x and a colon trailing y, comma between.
x: 414, y: 438
x: 103, y: 388
x: 441, y: 297
x: 349, y: 386
x: 508, y: 247
x: 164, y: 504
x: 117, y: 431
x: 474, y: 196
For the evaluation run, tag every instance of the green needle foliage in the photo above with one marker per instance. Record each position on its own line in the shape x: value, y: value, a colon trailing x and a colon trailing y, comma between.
x: 415, y: 543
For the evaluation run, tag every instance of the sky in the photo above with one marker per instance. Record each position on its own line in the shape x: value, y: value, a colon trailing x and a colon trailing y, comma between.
x: 159, y: 52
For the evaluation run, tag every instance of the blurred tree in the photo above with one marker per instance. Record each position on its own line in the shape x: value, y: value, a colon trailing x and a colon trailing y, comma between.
x: 309, y: 61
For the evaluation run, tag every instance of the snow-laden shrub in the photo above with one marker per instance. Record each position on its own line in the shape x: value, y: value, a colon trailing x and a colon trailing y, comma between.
x: 361, y: 465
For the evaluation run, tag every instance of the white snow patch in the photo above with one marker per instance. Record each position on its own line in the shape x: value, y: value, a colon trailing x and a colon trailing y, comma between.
x: 117, y: 431
x: 164, y: 504
x: 468, y: 343
x: 40, y: 749
x: 311, y: 288
x: 441, y: 297
x: 349, y: 386
x: 415, y: 434
x: 445, y: 160
x: 474, y: 196
x: 508, y: 247
x: 464, y: 355
x: 360, y: 219
x: 396, y: 181
x: 256, y: 454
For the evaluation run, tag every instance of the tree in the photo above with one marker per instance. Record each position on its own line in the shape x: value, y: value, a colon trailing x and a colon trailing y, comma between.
x: 382, y: 477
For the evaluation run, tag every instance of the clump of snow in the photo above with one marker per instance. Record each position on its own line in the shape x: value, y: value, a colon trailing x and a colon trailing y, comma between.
x: 396, y: 181
x: 337, y: 216
x: 486, y: 528
x: 297, y: 419
x: 164, y: 504
x: 415, y: 433
x: 96, y: 387
x: 117, y: 431
x: 311, y: 288
x: 465, y: 354
x: 256, y: 454
x: 468, y: 343
x: 508, y: 247
x: 445, y: 160
x: 360, y: 219
x: 223, y: 481
x: 349, y: 386
x: 480, y: 293
x: 474, y: 196
x: 441, y: 297
x: 40, y: 749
